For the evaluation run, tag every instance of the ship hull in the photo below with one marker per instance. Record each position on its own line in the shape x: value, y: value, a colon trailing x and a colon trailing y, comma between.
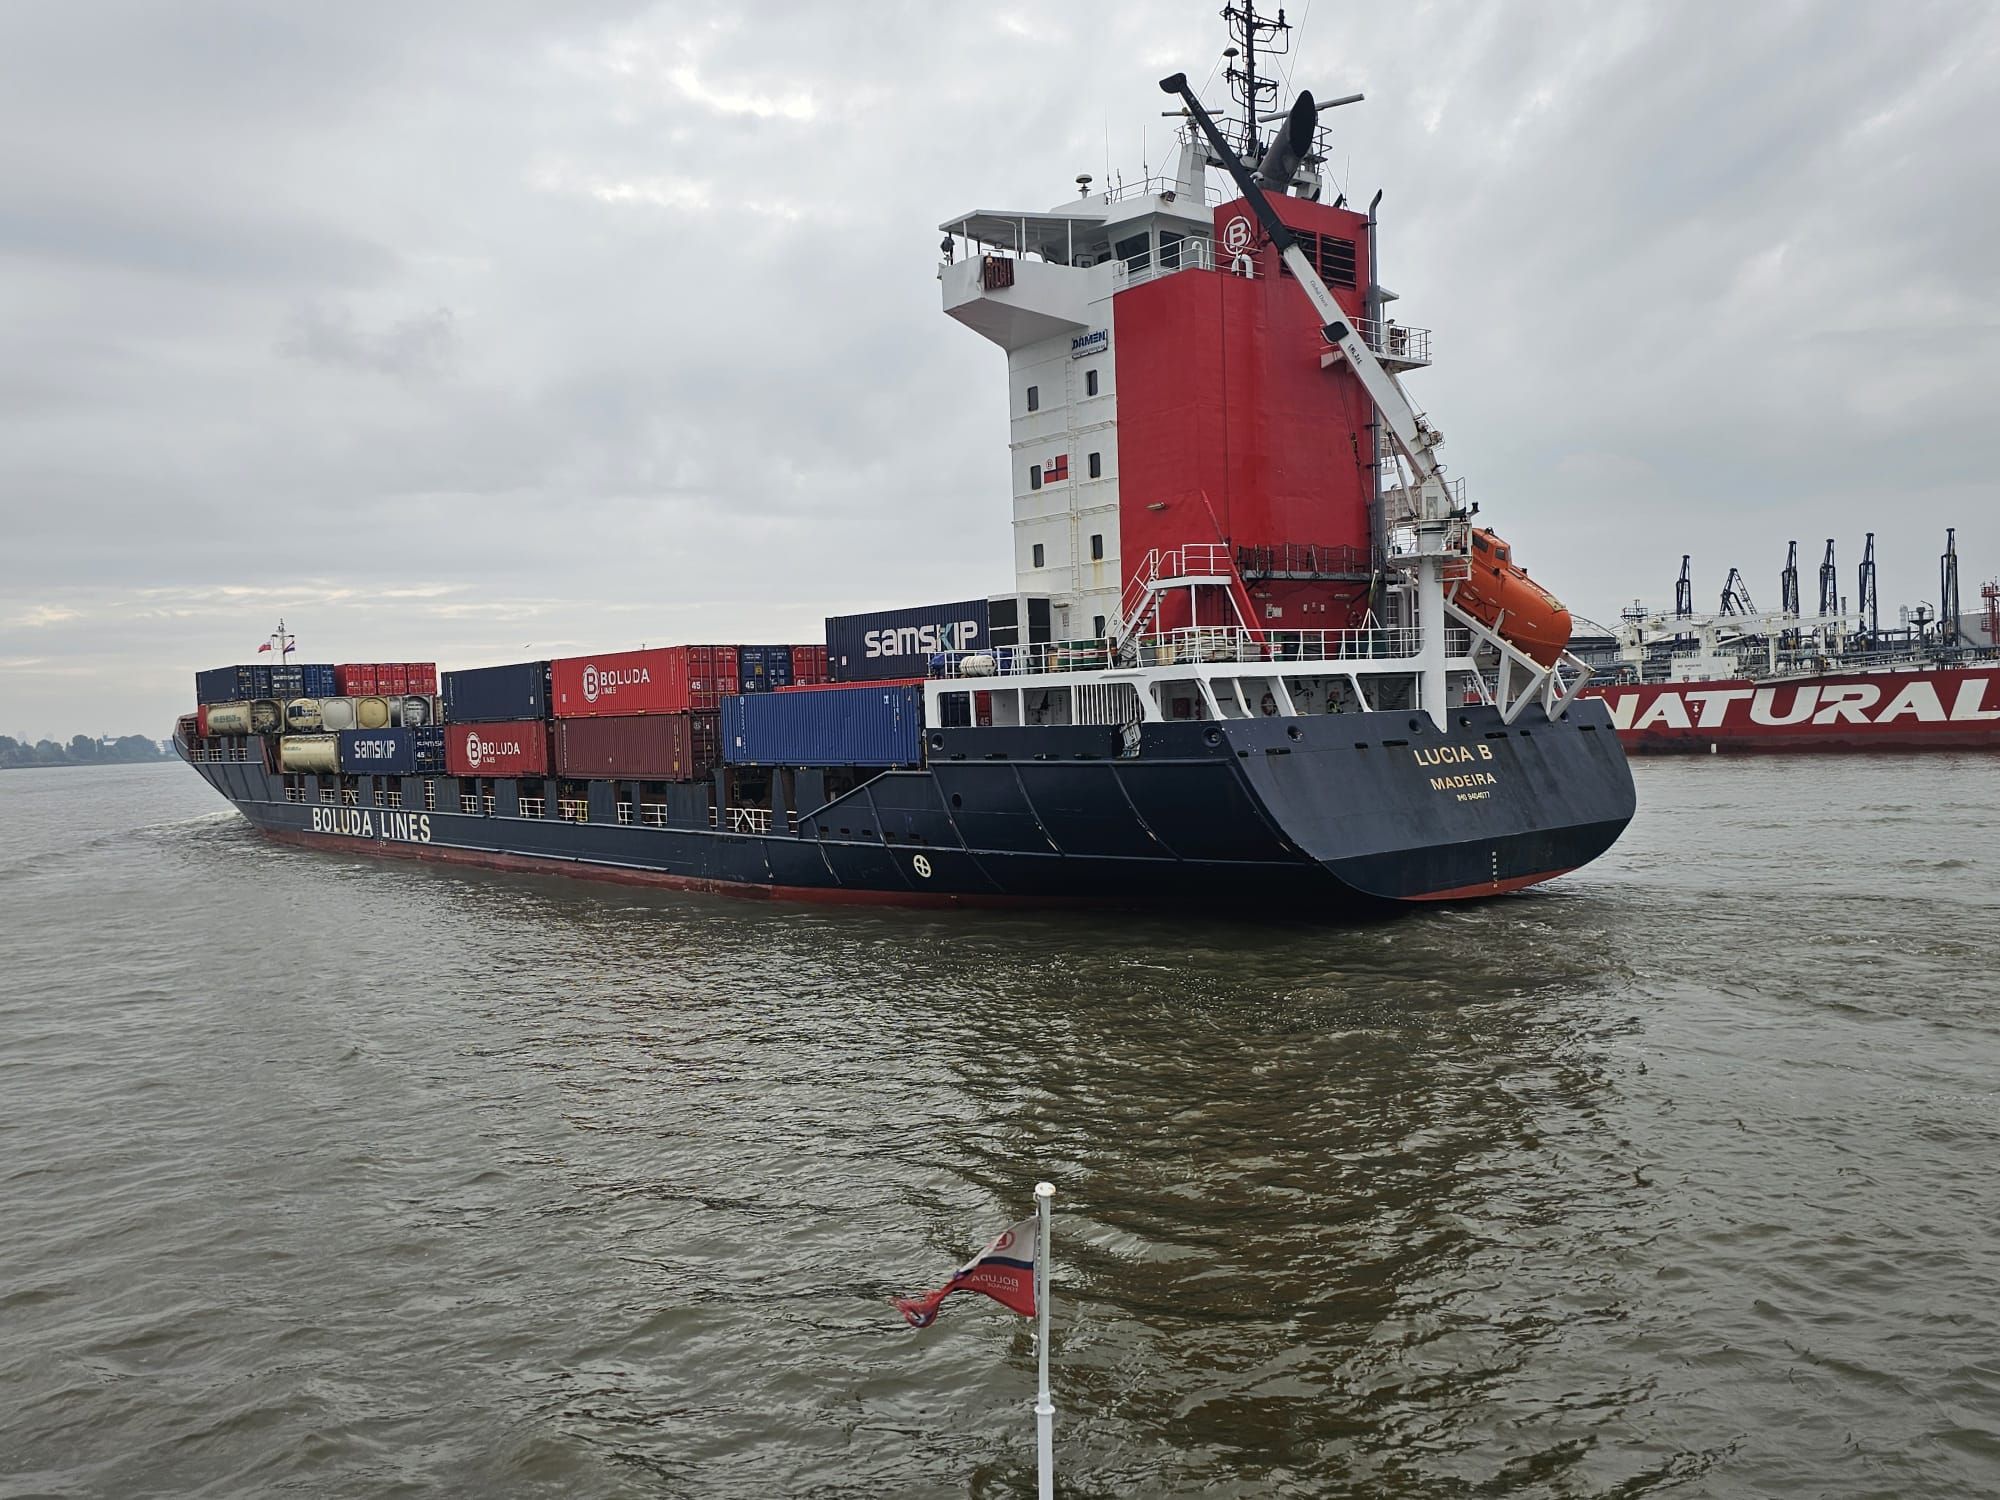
x: 1917, y: 708
x: 1330, y: 814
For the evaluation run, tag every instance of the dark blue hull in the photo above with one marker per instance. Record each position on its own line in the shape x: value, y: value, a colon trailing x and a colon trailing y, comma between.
x: 1324, y: 813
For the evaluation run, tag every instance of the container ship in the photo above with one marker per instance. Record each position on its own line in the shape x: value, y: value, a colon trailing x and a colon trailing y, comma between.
x: 1739, y: 680
x: 1255, y: 655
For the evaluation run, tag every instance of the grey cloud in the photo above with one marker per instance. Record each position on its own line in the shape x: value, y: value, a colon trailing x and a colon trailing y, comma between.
x: 1703, y: 278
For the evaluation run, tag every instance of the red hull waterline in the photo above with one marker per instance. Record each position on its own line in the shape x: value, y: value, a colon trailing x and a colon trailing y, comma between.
x: 1919, y: 709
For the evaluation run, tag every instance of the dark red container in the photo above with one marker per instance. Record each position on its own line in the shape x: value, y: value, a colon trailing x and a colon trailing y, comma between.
x: 517, y: 749
x: 391, y: 677
x: 808, y: 666
x: 355, y: 679
x: 420, y: 677
x: 705, y: 733
x: 642, y: 747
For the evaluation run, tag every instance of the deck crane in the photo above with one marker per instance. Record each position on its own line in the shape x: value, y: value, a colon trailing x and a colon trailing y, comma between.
x: 1865, y: 602
x: 1829, y: 579
x: 1736, y: 595
x: 1422, y: 502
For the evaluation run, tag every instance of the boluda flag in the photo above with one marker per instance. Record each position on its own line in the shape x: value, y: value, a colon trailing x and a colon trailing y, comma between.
x: 1004, y: 1271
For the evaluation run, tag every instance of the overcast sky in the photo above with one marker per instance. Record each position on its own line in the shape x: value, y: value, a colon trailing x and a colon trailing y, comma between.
x: 491, y: 329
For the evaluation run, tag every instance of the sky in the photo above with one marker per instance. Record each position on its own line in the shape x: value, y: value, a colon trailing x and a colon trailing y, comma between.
x: 474, y: 331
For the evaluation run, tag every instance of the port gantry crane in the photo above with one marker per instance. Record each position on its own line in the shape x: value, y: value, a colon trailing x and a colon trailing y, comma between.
x: 1421, y: 503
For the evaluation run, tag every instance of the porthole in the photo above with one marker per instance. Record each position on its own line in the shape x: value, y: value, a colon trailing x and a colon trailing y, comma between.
x: 937, y: 742
x: 1292, y: 731
x: 1212, y: 737
x: 1417, y: 725
x: 956, y: 800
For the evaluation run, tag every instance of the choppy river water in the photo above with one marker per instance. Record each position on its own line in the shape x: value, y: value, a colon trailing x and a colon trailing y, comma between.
x: 344, y: 1178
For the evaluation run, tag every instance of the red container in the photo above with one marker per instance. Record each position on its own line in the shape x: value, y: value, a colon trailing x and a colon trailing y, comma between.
x: 517, y: 749
x: 391, y: 677
x: 643, y: 747
x: 705, y: 734
x: 355, y: 680
x: 808, y: 666
x: 886, y: 682
x: 201, y: 720
x: 664, y: 680
x: 620, y: 683
x: 420, y: 677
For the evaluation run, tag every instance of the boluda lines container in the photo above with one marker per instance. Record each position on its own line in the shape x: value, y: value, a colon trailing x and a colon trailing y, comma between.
x: 309, y: 752
x: 384, y: 752
x: 336, y: 714
x: 497, y: 695
x: 646, y: 747
x: 371, y: 713
x: 620, y: 683
x: 520, y: 748
x: 302, y: 716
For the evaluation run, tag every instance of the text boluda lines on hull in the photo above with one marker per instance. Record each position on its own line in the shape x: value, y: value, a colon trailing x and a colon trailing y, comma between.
x: 1209, y: 683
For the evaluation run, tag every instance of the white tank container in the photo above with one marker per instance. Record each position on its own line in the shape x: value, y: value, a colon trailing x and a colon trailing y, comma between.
x: 229, y: 718
x: 302, y: 716
x: 336, y: 714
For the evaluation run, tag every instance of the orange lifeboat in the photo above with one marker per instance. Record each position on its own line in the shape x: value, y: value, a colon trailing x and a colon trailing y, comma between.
x: 1500, y: 594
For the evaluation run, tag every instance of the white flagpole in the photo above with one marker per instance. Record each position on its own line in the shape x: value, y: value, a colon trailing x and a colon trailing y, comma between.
x: 1045, y: 1410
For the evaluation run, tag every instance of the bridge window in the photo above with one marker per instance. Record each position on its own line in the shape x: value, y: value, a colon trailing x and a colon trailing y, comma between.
x: 1097, y: 549
x: 1170, y: 251
x: 1034, y: 476
x: 1097, y: 466
x: 1097, y: 627
x: 1038, y: 556
x: 1090, y: 382
x: 1034, y: 398
x: 1136, y: 252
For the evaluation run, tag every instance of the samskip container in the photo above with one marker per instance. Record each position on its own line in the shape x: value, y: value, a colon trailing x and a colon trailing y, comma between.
x: 901, y: 642
x: 427, y: 744
x: 309, y: 752
x: 384, y: 752
x: 856, y: 726
x: 497, y: 695
x: 287, y: 681
x: 647, y: 747
x: 520, y: 748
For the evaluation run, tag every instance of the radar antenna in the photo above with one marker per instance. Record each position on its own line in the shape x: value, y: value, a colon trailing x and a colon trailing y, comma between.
x: 1246, y: 86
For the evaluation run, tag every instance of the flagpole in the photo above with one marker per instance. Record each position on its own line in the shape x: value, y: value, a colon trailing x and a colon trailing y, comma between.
x: 1045, y: 1411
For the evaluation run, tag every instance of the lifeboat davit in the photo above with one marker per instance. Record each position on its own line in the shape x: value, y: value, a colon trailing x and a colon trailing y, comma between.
x: 1500, y: 594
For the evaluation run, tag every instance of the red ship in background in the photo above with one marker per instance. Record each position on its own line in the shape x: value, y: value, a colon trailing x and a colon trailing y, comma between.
x: 1740, y: 680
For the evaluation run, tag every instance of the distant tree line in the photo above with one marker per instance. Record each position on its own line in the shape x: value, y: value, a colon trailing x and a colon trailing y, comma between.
x: 82, y: 750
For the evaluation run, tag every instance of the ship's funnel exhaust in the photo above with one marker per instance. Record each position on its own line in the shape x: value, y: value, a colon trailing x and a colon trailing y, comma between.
x: 1281, y: 163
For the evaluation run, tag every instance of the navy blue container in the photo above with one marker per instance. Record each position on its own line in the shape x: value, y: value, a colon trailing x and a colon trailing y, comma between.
x: 316, y: 679
x: 427, y: 746
x: 761, y: 668
x: 224, y: 685
x: 260, y: 682
x: 901, y: 642
x: 383, y: 752
x: 497, y: 695
x: 289, y: 682
x: 857, y: 726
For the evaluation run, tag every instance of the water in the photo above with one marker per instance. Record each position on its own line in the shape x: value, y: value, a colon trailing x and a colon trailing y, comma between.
x: 346, y: 1178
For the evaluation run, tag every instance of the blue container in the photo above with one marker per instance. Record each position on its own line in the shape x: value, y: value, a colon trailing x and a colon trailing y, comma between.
x: 761, y: 668
x: 901, y: 642
x: 427, y: 745
x: 384, y: 752
x: 316, y: 680
x: 260, y: 682
x: 225, y: 685
x: 497, y: 695
x: 288, y: 682
x: 857, y: 726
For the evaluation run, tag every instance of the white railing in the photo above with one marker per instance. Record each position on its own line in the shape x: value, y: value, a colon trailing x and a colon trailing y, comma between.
x: 1190, y: 254
x: 1152, y: 187
x: 1189, y: 646
x: 749, y: 820
x: 1394, y: 341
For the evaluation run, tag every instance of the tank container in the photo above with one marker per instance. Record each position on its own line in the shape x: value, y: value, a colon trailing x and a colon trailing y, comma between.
x: 336, y: 714
x: 309, y: 752
x: 371, y: 713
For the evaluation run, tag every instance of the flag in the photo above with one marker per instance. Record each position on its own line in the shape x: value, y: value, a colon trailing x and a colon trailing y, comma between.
x: 1004, y: 1271
x: 265, y: 647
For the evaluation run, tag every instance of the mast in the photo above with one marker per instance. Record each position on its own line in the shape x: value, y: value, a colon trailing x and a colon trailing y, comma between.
x: 1245, y: 86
